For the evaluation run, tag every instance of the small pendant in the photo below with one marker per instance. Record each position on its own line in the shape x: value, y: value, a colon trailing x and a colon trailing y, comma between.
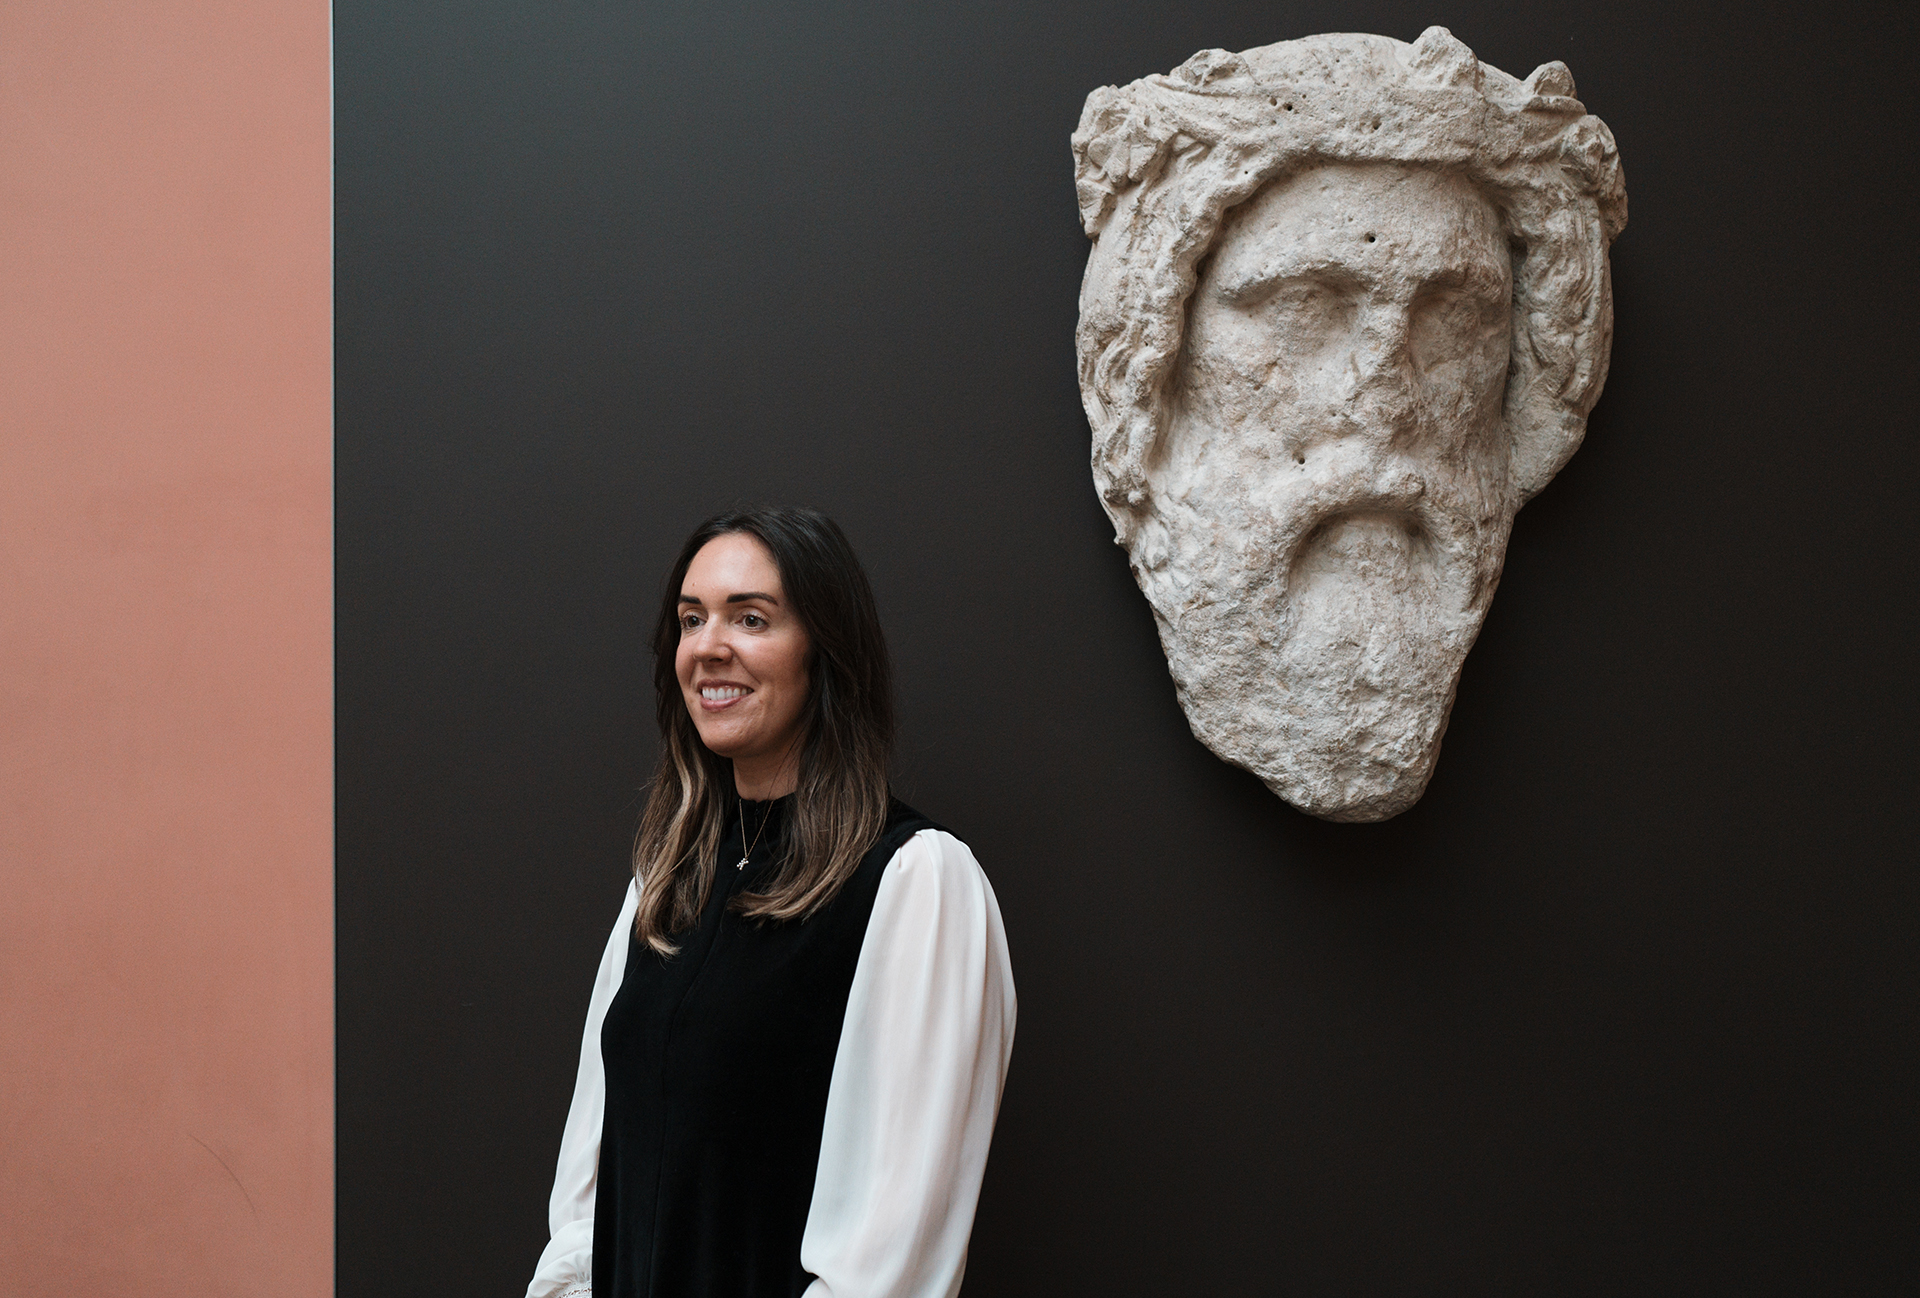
x: 742, y: 865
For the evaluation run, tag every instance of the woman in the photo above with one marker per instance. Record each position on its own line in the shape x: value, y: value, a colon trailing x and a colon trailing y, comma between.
x: 796, y: 1042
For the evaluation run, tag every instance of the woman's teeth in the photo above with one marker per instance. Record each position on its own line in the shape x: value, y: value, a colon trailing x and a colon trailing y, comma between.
x: 715, y: 693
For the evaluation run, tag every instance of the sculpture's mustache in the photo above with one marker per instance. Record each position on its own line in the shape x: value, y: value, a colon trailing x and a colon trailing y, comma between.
x: 1437, y: 515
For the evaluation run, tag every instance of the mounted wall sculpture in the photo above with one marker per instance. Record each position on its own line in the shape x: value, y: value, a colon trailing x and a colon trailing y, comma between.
x: 1346, y: 311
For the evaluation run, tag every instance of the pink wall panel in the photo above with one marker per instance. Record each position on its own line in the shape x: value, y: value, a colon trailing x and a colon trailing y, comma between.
x: 166, y: 1006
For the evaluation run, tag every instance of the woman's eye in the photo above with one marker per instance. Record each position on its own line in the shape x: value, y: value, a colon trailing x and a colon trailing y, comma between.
x: 752, y: 621
x: 688, y: 622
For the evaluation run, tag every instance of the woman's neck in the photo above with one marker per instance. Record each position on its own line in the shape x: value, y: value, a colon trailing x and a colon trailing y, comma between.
x: 764, y: 779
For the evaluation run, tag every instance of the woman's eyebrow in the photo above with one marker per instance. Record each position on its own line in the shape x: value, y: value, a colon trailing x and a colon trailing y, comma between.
x: 741, y: 598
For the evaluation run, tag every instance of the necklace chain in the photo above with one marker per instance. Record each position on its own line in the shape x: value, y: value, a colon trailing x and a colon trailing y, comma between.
x: 756, y: 834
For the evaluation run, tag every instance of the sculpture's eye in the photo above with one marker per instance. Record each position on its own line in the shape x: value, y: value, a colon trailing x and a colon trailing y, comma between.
x: 1452, y: 325
x: 1311, y: 314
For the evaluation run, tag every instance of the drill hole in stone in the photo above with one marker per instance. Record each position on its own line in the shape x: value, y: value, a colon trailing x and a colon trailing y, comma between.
x: 1369, y: 236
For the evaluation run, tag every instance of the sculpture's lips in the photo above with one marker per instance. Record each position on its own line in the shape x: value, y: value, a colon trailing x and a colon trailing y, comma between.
x: 1370, y: 543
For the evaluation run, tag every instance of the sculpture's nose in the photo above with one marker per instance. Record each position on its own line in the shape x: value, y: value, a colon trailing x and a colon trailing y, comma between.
x: 1382, y: 387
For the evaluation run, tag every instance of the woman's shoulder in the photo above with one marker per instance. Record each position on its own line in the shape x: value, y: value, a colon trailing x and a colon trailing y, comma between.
x: 906, y: 825
x: 916, y: 844
x: 935, y: 902
x: 900, y: 815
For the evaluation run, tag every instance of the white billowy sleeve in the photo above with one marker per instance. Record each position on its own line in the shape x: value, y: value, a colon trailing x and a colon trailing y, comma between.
x: 566, y: 1267
x: 916, y: 1083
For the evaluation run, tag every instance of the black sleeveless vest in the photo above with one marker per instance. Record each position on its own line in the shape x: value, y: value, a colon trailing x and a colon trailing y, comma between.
x: 717, y: 1062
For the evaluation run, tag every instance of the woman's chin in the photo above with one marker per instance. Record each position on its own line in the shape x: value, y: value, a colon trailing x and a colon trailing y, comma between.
x: 726, y: 746
x: 732, y: 742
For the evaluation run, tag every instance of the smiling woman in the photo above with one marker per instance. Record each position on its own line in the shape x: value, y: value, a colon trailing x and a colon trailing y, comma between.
x: 775, y: 603
x: 791, y: 1067
x: 742, y: 663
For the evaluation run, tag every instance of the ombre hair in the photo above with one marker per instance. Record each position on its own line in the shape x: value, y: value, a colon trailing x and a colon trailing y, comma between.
x: 840, y: 806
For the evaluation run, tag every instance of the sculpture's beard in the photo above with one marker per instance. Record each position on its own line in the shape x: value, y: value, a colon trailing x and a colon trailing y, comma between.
x: 1315, y: 617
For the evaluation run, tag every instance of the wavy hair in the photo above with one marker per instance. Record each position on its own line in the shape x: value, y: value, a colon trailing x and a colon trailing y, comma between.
x: 840, y: 806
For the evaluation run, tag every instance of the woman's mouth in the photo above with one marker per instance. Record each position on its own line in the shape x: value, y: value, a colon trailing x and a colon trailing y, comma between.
x: 714, y: 697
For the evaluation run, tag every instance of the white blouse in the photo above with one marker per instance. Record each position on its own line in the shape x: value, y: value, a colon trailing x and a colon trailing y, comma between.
x: 916, y: 1085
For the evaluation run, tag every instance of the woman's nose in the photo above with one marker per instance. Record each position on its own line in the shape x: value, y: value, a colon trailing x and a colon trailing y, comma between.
x: 710, y: 642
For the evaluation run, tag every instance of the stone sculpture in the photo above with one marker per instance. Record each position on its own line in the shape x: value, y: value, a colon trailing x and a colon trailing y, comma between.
x: 1347, y: 309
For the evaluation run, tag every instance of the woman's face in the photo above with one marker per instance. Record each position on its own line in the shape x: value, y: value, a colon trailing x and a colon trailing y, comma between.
x: 742, y: 662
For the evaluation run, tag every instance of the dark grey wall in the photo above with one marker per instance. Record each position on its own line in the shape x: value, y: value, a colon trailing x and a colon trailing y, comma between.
x: 1624, y: 1006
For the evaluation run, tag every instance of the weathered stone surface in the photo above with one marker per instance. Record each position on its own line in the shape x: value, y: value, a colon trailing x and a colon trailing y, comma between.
x: 1346, y: 311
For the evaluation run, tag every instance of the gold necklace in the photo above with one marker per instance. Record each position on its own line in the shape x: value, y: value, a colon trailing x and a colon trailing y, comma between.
x: 756, y: 836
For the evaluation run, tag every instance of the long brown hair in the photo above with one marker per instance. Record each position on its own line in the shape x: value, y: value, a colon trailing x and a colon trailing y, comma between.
x: 840, y: 806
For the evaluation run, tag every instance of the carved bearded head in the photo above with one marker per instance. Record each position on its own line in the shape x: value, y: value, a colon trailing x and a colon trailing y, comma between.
x: 1346, y: 311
